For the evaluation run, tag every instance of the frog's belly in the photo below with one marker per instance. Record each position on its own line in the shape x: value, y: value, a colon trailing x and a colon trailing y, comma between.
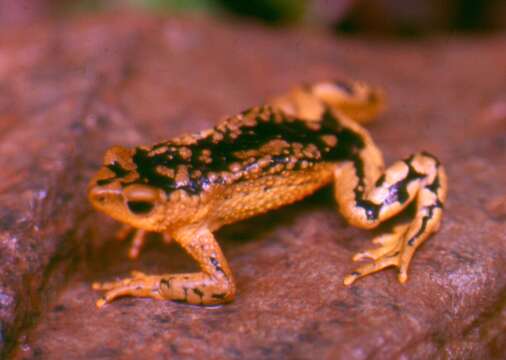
x: 249, y: 198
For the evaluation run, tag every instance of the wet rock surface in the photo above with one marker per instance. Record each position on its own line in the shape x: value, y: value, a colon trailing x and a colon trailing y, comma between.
x: 72, y: 89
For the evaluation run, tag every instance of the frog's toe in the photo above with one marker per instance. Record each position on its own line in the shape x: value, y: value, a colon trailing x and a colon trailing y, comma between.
x: 140, y: 285
x: 109, y: 285
x: 376, y: 253
x: 389, y: 259
x: 387, y: 254
x: 388, y: 242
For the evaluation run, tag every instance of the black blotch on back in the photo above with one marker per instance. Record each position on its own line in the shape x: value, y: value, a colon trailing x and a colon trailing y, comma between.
x: 251, y: 137
x: 117, y: 169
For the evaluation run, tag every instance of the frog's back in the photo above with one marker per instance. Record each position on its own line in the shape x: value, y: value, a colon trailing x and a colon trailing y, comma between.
x: 262, y: 142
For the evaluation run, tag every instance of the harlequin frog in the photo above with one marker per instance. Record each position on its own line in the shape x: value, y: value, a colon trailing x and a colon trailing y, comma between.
x: 261, y: 159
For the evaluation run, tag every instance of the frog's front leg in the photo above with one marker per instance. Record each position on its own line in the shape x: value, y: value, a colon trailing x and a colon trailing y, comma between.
x: 366, y: 204
x: 213, y: 285
x: 138, y: 239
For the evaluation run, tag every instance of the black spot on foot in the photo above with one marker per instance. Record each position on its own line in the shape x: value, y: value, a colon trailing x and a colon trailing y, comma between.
x: 198, y: 292
x: 118, y: 170
x: 216, y: 264
x: 220, y: 296
x: 165, y: 283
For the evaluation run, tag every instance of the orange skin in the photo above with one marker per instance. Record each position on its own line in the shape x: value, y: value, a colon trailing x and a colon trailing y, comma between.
x: 262, y: 159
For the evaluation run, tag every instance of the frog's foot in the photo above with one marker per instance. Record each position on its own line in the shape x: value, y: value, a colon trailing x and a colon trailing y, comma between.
x: 139, y: 285
x: 398, y: 248
x: 388, y: 254
x: 389, y: 243
x: 419, y: 179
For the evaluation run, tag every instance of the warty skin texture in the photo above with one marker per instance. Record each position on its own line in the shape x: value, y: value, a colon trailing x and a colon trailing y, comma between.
x: 262, y: 159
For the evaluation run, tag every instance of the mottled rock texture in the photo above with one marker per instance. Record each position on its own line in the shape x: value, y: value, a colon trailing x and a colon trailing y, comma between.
x: 70, y: 90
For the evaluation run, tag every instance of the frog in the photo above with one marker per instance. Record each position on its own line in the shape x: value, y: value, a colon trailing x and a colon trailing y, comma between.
x: 263, y: 158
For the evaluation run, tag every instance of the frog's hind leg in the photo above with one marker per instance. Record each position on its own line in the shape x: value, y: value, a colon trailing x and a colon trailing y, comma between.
x: 354, y: 99
x: 214, y: 284
x: 419, y: 178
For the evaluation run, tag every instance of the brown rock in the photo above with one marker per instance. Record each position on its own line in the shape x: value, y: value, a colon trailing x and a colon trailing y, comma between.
x: 71, y: 90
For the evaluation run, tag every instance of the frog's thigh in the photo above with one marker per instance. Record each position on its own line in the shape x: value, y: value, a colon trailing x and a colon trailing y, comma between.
x: 419, y: 178
x: 213, y: 285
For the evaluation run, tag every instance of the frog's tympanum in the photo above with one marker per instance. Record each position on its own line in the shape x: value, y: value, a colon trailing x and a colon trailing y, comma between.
x: 263, y: 158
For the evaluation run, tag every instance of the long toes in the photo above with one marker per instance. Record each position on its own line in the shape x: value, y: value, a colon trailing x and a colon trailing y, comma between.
x: 114, y: 293
x: 391, y: 245
x: 361, y: 255
x: 136, y: 275
x: 374, y: 253
x: 396, y: 233
x: 109, y: 285
x: 386, y: 260
x: 384, y: 239
x: 146, y: 287
x: 404, y: 264
x: 103, y: 286
x: 403, y: 276
x: 140, y: 285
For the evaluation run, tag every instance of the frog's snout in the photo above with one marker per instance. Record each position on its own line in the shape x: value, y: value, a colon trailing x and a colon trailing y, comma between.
x: 100, y: 196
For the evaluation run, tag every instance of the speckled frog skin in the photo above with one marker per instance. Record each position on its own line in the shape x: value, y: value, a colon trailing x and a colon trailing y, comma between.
x: 261, y: 159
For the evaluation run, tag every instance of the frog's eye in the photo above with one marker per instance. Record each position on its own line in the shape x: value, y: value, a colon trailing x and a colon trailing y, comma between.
x: 140, y: 207
x: 141, y: 199
x: 345, y: 86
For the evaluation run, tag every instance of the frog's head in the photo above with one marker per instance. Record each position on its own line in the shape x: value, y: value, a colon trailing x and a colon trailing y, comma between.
x: 354, y: 98
x: 115, y: 191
